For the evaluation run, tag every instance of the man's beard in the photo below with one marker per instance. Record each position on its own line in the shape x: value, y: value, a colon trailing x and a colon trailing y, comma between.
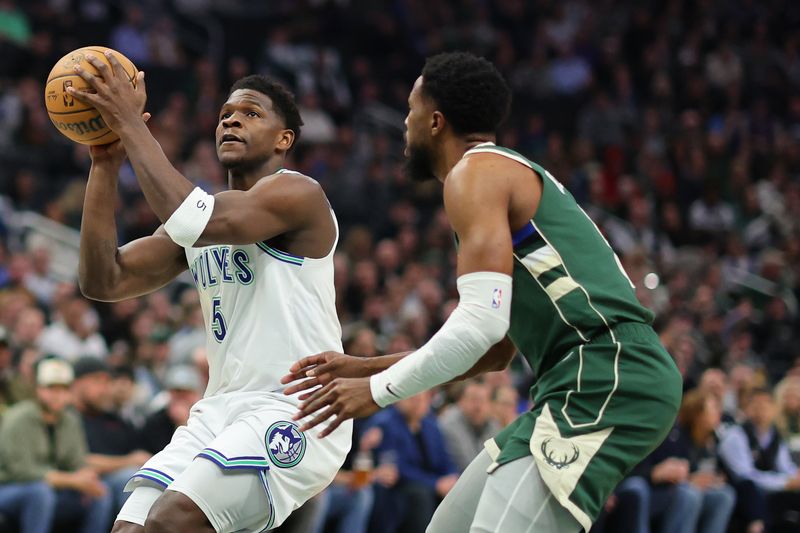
x: 419, y: 163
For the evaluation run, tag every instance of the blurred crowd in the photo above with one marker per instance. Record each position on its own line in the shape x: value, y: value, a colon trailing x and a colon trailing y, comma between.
x: 676, y: 124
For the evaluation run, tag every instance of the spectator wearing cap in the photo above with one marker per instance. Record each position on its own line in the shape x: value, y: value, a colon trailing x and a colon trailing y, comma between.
x: 12, y: 387
x: 44, y: 480
x: 115, y: 452
x: 183, y: 391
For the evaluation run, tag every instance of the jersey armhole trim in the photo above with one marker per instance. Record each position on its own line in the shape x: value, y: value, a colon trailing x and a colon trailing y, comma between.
x: 281, y: 255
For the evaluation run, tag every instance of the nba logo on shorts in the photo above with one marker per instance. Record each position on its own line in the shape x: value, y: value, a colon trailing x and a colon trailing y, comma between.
x: 497, y: 298
x: 285, y: 444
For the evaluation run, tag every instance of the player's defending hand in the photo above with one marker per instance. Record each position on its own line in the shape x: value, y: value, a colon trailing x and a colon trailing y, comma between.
x: 321, y: 369
x: 343, y: 398
x: 118, y: 100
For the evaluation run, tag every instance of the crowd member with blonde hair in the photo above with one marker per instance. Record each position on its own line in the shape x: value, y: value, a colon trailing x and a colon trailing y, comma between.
x: 787, y: 419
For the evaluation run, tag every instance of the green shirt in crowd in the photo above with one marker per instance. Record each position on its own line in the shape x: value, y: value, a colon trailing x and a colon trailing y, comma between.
x: 29, y: 448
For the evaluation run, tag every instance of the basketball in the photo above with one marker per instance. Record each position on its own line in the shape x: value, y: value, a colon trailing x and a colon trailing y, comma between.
x: 79, y: 122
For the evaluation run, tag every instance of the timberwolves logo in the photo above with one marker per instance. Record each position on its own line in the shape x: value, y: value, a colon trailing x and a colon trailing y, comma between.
x: 559, y: 453
x: 285, y: 444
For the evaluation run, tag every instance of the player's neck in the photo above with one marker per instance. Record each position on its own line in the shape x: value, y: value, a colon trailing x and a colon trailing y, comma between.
x: 244, y: 179
x: 455, y: 148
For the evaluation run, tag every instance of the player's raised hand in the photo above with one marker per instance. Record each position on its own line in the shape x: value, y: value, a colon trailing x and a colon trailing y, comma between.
x: 342, y: 398
x: 321, y: 369
x: 118, y: 100
x: 113, y: 152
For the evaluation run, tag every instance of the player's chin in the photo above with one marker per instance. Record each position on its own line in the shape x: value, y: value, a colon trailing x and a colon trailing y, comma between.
x: 230, y: 160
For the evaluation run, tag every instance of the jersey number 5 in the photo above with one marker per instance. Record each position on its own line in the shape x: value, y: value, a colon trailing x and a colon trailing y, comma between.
x: 218, y: 326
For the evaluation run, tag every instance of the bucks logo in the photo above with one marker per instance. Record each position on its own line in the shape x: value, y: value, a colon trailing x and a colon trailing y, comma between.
x: 559, y: 453
x: 286, y: 445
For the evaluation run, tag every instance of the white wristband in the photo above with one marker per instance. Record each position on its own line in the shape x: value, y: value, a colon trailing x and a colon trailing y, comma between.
x: 189, y: 221
x: 480, y: 321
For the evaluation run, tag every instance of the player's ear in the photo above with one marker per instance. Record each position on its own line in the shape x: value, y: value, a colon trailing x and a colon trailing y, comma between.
x: 437, y: 123
x: 285, y: 140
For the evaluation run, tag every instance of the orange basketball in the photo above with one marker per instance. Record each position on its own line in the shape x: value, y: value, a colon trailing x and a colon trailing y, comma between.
x: 80, y: 122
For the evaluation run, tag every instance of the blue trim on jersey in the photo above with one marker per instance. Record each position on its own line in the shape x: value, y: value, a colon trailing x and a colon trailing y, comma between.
x: 239, y: 458
x: 234, y: 463
x: 522, y: 233
x: 281, y: 255
x: 299, y: 257
x: 155, y: 476
x: 271, y: 521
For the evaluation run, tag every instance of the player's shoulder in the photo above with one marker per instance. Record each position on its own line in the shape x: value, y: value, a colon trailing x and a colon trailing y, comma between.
x: 293, y: 178
x: 291, y: 186
x: 481, y: 173
x: 489, y: 161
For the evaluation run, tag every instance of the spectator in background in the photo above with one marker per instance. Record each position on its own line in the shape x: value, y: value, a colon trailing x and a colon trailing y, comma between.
x: 43, y: 476
x: 115, y: 450
x: 28, y: 328
x: 468, y: 424
x: 190, y: 332
x: 183, y: 388
x: 714, y: 382
x: 787, y: 397
x: 505, y: 400
x: 39, y: 281
x: 130, y: 37
x: 755, y: 451
x: 75, y: 333
x: 412, y: 433
x: 347, y: 502
x: 129, y: 400
x: 689, y: 489
x: 13, y: 387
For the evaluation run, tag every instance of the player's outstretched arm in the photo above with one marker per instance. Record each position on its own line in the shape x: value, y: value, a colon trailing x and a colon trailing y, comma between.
x: 192, y: 217
x: 320, y: 369
x: 109, y: 273
x: 477, y: 197
x: 497, y: 358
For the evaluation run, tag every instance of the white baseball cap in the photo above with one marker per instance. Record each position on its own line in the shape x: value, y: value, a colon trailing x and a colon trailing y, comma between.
x: 51, y: 372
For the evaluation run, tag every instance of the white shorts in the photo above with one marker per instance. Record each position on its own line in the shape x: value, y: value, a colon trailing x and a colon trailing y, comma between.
x: 251, y: 442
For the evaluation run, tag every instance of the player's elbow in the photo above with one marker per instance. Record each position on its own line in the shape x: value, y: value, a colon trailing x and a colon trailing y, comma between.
x: 94, y: 291
x: 95, y: 288
x: 493, y: 327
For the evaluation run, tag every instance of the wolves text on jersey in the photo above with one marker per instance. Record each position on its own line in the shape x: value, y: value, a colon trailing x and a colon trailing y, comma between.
x: 217, y: 264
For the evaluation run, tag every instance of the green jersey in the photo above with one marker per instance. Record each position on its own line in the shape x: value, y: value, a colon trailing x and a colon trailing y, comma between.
x: 606, y: 391
x: 568, y: 284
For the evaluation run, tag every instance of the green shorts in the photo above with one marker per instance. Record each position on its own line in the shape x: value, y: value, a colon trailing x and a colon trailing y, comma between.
x: 597, y: 413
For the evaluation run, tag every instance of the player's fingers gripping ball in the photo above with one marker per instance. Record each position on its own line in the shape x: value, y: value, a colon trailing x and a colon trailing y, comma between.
x: 77, y: 120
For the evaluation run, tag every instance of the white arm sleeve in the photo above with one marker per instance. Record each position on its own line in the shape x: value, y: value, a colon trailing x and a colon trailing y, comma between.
x: 480, y: 321
x: 189, y: 221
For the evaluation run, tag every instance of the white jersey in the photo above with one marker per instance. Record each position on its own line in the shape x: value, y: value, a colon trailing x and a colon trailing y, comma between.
x: 264, y: 309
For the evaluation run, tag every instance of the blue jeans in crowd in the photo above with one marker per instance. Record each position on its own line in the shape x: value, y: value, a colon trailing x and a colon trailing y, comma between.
x: 350, y: 509
x: 684, y: 507
x: 633, y: 505
x: 36, y: 506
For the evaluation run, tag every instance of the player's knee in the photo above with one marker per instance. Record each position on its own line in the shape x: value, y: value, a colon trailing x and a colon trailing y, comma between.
x: 174, y: 511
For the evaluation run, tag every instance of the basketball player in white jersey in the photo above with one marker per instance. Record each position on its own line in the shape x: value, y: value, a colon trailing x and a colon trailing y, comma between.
x: 260, y: 255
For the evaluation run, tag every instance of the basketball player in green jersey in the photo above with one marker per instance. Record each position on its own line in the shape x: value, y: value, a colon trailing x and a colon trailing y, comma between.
x: 535, y: 275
